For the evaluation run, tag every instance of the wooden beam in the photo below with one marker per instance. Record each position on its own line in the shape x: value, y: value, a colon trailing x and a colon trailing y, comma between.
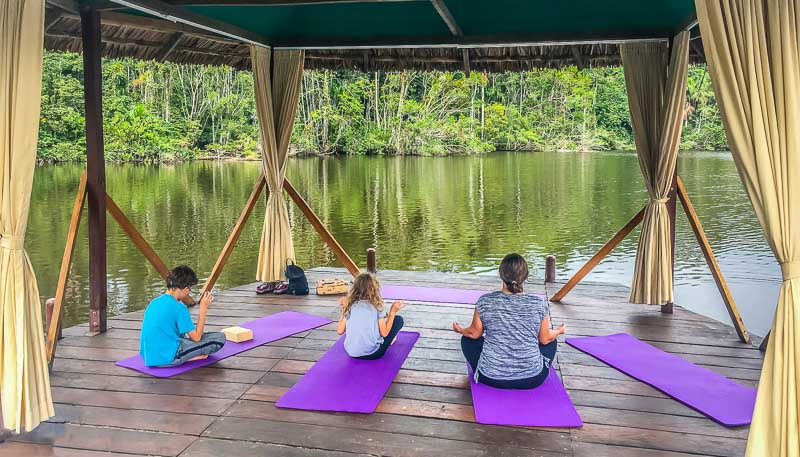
x: 447, y: 17
x: 63, y: 274
x: 157, y: 25
x: 576, y: 54
x: 138, y: 240
x: 321, y: 229
x: 711, y: 260
x: 600, y: 255
x: 95, y: 167
x: 51, y: 18
x: 279, y: 2
x: 465, y: 54
x: 176, y: 14
x: 169, y: 46
x: 233, y: 238
x: 68, y: 6
x: 763, y: 346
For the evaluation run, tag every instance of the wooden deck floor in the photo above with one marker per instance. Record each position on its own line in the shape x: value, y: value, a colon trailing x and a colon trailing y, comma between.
x: 229, y: 409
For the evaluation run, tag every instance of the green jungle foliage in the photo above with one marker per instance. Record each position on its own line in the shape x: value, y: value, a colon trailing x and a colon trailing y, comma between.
x: 156, y: 112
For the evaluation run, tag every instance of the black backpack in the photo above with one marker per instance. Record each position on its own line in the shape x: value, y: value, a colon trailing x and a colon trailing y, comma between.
x: 298, y: 284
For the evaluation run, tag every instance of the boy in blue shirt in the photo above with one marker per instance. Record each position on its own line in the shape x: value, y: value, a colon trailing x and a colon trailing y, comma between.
x: 169, y: 337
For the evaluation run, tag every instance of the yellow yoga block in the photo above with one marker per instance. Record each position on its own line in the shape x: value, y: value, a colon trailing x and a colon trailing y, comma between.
x: 238, y: 334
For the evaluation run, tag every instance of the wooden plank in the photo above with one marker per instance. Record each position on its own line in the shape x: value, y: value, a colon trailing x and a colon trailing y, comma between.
x: 95, y: 166
x: 605, y: 450
x: 169, y: 46
x: 233, y: 238
x: 209, y: 447
x: 63, y: 274
x: 600, y: 255
x: 174, y: 13
x: 711, y: 260
x: 108, y: 439
x: 154, y: 421
x: 224, y: 390
x: 659, y: 440
x: 368, y: 441
x: 323, y: 231
x: 557, y: 441
x: 134, y: 401
x: 447, y: 17
x: 15, y: 449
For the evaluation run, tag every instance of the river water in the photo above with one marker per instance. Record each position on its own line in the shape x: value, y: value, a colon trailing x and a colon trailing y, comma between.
x: 458, y: 214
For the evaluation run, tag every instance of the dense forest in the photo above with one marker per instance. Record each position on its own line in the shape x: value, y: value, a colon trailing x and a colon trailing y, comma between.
x: 166, y: 112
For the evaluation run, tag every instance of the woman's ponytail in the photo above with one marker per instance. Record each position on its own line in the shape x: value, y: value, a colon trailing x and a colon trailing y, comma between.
x: 514, y: 272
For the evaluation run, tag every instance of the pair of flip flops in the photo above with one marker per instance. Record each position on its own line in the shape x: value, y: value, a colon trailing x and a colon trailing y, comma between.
x: 274, y: 287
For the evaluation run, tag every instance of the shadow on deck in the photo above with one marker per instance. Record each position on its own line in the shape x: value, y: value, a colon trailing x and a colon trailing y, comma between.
x: 229, y: 409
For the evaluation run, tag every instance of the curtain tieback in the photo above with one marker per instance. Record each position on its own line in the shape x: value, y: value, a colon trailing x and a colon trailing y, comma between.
x: 14, y: 243
x: 790, y: 270
x: 659, y: 200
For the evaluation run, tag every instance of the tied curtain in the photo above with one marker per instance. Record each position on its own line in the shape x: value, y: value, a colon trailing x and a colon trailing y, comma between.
x: 276, y: 77
x: 656, y: 85
x: 753, y: 54
x: 24, y: 381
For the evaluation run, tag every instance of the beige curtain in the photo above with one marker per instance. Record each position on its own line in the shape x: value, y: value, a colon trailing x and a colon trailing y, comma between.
x: 277, y: 91
x: 656, y: 95
x: 753, y: 54
x: 25, y: 389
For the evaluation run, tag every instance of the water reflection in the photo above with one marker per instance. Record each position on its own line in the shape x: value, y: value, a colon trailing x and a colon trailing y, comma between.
x: 445, y: 214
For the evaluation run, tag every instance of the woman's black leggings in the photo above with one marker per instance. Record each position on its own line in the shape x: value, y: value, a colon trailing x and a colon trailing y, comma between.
x: 472, y: 349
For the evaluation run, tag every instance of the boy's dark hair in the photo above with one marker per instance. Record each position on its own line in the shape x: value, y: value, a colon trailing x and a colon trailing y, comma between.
x: 514, y: 272
x: 181, y: 277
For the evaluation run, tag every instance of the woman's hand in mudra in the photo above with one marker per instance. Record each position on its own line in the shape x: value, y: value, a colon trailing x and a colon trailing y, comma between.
x: 457, y: 328
x: 562, y: 329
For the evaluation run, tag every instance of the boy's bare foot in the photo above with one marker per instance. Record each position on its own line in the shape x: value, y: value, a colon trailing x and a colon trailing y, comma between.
x: 199, y: 357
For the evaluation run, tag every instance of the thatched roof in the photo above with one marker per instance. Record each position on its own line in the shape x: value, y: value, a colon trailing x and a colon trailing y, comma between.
x: 146, y: 38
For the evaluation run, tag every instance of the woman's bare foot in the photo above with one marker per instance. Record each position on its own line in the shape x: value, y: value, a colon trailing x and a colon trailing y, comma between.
x: 393, y: 341
x: 199, y: 357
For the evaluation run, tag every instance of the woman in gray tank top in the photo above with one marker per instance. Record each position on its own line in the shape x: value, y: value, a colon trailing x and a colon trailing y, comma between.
x: 510, y: 344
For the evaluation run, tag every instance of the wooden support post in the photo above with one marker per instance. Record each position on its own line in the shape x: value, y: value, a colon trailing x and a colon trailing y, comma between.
x: 763, y: 346
x: 95, y: 166
x: 550, y: 269
x: 138, y: 240
x: 321, y: 229
x: 672, y: 206
x: 711, y: 260
x: 48, y: 307
x: 604, y: 251
x: 234, y: 236
x: 372, y: 262
x: 54, y: 325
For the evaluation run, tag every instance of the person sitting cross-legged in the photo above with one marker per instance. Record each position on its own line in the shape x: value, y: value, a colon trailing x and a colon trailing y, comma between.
x: 509, y: 344
x: 169, y: 337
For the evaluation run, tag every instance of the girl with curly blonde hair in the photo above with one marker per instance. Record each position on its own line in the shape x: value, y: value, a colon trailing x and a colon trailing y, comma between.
x: 368, y: 330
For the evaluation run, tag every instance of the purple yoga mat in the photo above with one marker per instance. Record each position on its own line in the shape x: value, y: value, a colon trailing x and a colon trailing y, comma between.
x: 339, y: 382
x: 432, y: 294
x: 265, y: 330
x: 548, y: 405
x: 712, y: 394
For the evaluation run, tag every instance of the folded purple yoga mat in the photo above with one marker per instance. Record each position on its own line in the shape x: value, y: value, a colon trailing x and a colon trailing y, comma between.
x: 548, y: 405
x: 712, y: 394
x: 432, y: 294
x: 265, y: 330
x: 339, y: 382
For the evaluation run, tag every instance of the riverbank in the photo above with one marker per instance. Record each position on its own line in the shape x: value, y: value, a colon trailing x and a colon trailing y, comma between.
x: 165, y: 112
